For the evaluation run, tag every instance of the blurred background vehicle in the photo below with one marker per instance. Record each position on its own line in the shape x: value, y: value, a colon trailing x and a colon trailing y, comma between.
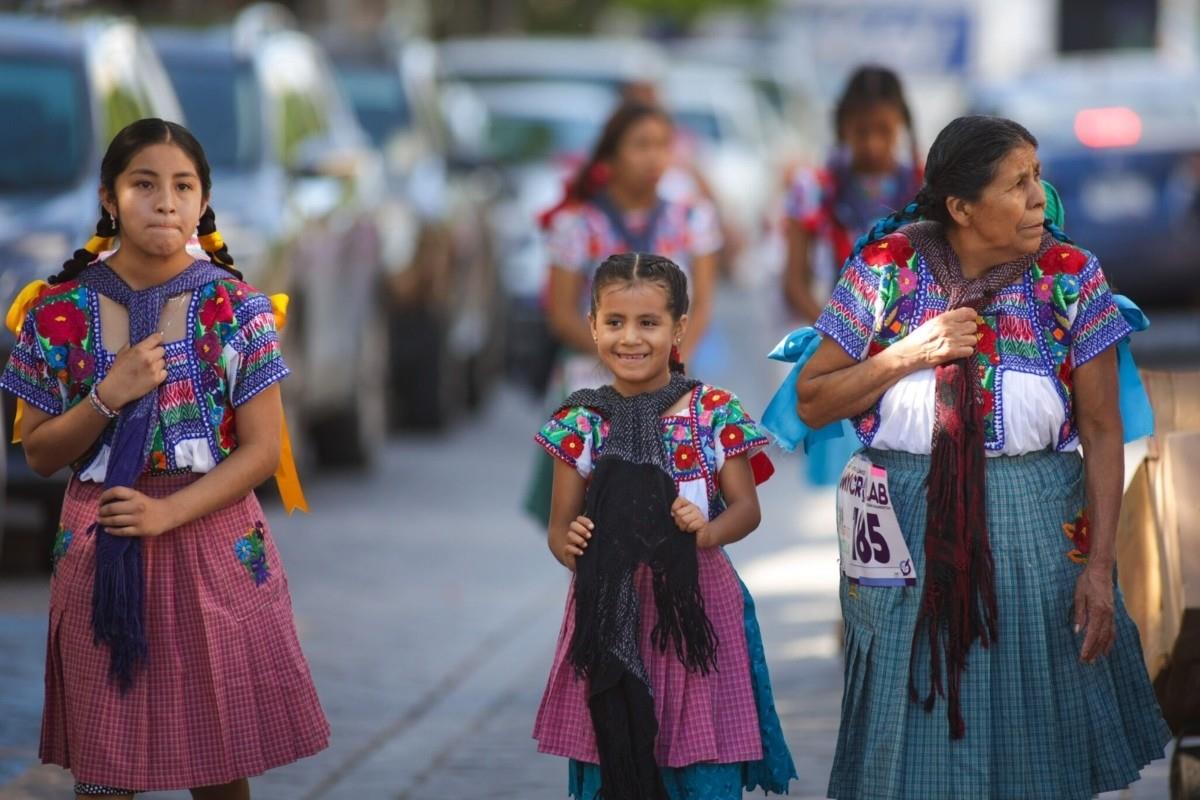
x: 446, y: 315
x: 1120, y: 140
x: 539, y: 132
x: 298, y: 191
x: 66, y: 87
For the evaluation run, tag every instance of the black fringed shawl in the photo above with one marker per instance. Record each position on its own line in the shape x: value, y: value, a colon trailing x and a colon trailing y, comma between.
x: 958, y: 602
x: 629, y: 500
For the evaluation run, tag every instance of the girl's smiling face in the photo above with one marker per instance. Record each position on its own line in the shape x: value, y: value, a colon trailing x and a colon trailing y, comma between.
x: 634, y: 333
x: 157, y: 202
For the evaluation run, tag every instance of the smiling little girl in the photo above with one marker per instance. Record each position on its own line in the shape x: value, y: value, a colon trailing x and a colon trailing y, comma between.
x: 659, y: 686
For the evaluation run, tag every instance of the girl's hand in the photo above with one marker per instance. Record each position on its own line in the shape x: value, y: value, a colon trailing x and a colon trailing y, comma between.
x: 578, y: 534
x: 690, y: 519
x: 126, y: 512
x: 136, y: 372
x: 1094, y: 612
x: 944, y: 338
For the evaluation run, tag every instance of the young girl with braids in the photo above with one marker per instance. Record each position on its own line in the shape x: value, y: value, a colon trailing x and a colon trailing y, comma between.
x: 172, y: 660
x: 828, y: 209
x: 659, y: 686
x: 615, y: 205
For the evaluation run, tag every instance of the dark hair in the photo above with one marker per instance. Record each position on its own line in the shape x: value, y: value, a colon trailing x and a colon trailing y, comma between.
x: 130, y: 141
x: 962, y: 162
x: 635, y: 267
x: 871, y: 86
x: 625, y: 117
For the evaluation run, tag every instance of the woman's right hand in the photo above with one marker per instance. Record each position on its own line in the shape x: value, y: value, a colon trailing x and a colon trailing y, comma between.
x: 944, y: 338
x: 137, y: 371
x: 578, y: 534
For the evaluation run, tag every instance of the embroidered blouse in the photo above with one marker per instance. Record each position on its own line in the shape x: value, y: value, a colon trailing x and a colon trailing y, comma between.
x: 1060, y: 315
x: 230, y: 354
x: 581, y: 237
x: 714, y: 427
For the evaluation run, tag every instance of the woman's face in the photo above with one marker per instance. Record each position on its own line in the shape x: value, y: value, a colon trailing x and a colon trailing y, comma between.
x: 157, y: 201
x: 634, y: 334
x: 643, y: 154
x: 871, y: 135
x: 1008, y: 215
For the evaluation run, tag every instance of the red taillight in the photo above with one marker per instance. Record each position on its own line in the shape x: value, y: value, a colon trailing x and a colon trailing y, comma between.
x: 1117, y: 126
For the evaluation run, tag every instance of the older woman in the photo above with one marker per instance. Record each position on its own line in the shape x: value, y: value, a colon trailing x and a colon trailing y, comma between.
x: 988, y: 653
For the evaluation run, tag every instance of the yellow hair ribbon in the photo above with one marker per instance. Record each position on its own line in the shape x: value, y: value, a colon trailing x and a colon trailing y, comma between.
x: 26, y: 299
x: 16, y: 437
x: 286, y: 476
x: 279, y: 307
x: 211, y: 242
x: 98, y: 244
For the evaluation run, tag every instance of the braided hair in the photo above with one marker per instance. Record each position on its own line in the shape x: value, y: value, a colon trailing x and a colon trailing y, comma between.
x: 962, y: 162
x: 638, y: 267
x: 128, y: 142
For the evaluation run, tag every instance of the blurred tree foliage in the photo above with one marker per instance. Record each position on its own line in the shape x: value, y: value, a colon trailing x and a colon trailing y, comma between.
x: 473, y: 17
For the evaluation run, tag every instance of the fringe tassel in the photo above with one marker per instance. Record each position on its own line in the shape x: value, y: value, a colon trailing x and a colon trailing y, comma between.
x: 117, y: 616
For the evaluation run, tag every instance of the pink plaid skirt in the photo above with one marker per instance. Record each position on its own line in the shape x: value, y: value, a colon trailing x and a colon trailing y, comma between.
x: 701, y: 718
x: 226, y: 692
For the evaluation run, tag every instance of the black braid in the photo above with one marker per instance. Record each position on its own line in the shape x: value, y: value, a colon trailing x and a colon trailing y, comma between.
x: 105, y: 228
x: 631, y: 267
x: 221, y: 257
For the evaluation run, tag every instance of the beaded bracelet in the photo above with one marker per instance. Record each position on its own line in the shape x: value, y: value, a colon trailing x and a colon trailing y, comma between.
x: 98, y: 404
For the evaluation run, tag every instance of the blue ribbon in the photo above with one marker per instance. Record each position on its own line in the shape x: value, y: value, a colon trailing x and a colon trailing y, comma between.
x: 781, y: 418
x: 1137, y: 416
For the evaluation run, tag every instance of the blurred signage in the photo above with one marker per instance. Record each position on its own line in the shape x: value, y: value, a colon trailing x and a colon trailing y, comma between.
x: 909, y: 36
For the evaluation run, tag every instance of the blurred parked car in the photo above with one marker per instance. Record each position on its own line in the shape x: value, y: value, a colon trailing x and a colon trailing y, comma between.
x: 296, y: 187
x: 538, y: 134
x: 1120, y: 140
x: 446, y: 315
x: 613, y: 63
x: 66, y: 87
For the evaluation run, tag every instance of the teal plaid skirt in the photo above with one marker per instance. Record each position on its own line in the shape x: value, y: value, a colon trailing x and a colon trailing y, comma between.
x: 1041, y: 725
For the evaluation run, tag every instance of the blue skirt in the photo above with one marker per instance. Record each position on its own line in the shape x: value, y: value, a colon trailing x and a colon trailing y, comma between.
x: 721, y: 781
x: 1041, y: 725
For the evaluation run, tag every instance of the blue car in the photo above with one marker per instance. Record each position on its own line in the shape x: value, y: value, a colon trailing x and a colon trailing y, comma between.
x: 1120, y: 139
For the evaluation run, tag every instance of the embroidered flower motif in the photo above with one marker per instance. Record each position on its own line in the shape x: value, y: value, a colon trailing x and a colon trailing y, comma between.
x: 1043, y: 289
x: 158, y: 460
x: 208, y: 347
x: 714, y: 398
x: 227, y: 431
x: 685, y: 458
x: 907, y: 280
x: 1079, y: 531
x: 573, y: 445
x: 679, y: 432
x: 82, y: 364
x: 1062, y: 258
x: 56, y: 357
x: 987, y: 343
x: 251, y: 551
x: 62, y: 323
x: 583, y: 424
x: 892, y: 249
x: 988, y: 401
x: 216, y: 309
x: 62, y: 542
x: 732, y: 435
x: 562, y: 413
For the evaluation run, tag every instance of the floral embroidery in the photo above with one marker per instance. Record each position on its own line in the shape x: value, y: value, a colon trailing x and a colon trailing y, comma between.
x: 713, y: 398
x: 1079, y: 531
x: 685, y: 458
x: 251, y: 551
x: 732, y: 436
x: 62, y: 323
x: 573, y: 444
x: 62, y: 542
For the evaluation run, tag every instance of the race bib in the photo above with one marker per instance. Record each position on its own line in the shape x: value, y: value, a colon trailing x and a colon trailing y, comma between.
x: 873, y: 551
